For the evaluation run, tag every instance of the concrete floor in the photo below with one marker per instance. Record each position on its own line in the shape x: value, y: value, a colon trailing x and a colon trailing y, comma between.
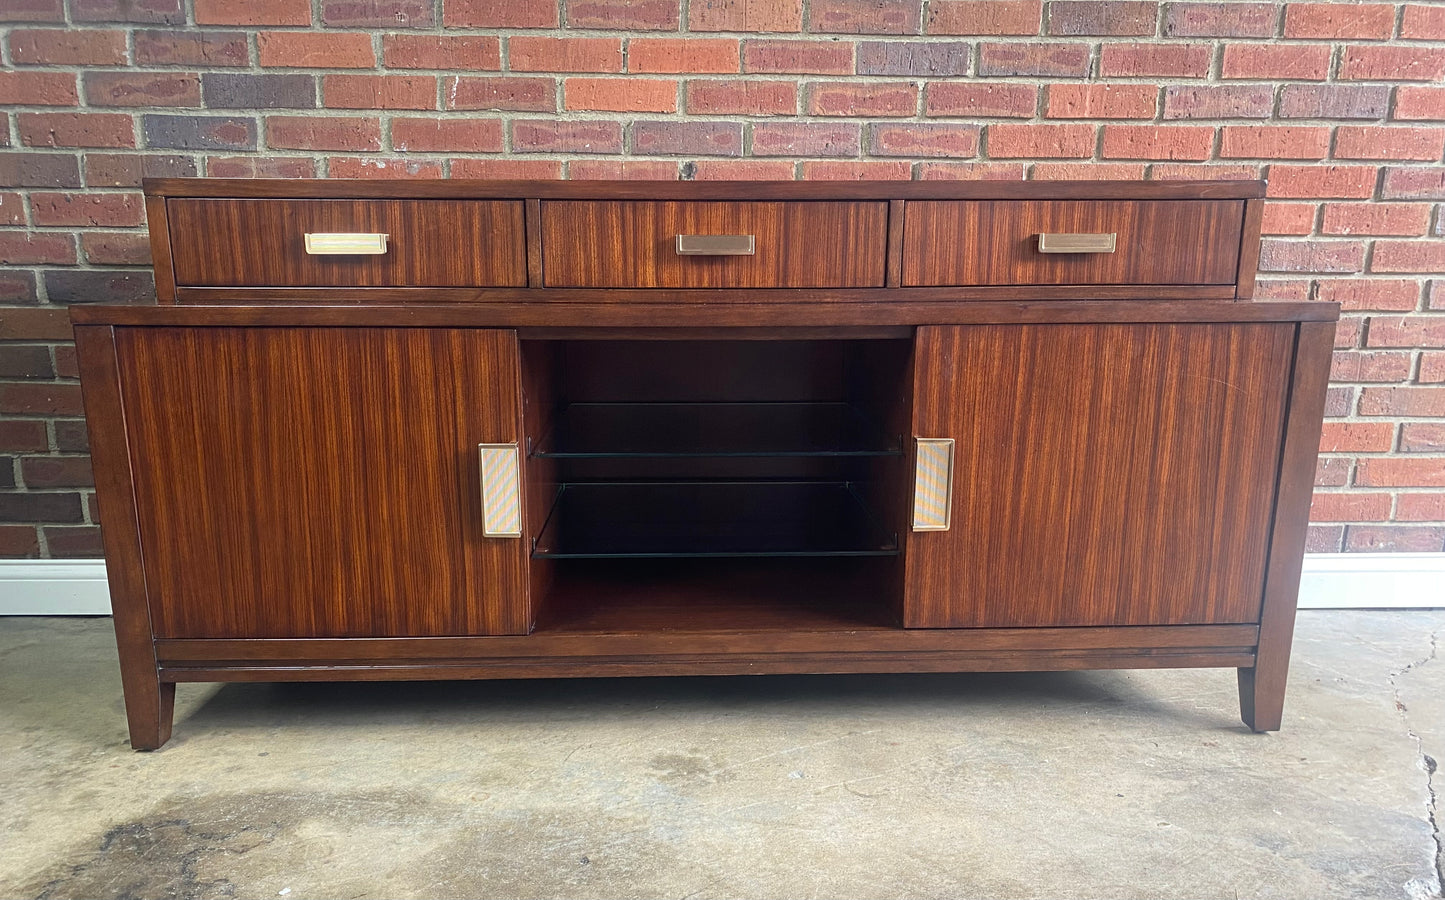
x: 1090, y: 785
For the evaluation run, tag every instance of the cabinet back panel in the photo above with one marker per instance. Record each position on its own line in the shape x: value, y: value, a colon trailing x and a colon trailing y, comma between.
x: 1103, y: 474
x: 321, y: 482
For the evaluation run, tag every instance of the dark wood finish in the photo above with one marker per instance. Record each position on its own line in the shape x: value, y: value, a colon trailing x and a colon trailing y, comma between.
x: 1249, y: 248
x: 1104, y: 475
x: 160, y: 241
x: 533, y: 213
x: 992, y: 242
x: 321, y: 482
x: 893, y: 277
x: 1262, y: 686
x: 615, y: 243
x: 433, y: 243
x: 149, y: 702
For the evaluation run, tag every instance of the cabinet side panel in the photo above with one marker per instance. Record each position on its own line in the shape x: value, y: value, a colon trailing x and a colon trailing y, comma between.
x: 1103, y: 474
x: 321, y: 481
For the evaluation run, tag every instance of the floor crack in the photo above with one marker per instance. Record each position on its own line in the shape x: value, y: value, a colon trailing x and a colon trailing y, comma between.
x: 1427, y: 762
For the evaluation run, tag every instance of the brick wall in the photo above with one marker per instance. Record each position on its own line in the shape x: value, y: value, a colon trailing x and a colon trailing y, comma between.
x: 1340, y: 104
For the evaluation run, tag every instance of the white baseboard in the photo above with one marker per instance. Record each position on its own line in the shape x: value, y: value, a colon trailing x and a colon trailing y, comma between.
x: 44, y: 587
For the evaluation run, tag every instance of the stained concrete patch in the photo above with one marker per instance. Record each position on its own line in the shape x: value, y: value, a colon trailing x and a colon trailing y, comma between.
x: 1069, y: 785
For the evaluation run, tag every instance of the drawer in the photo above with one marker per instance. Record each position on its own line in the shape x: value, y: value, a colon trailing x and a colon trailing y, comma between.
x: 996, y: 242
x: 429, y: 243
x: 794, y: 244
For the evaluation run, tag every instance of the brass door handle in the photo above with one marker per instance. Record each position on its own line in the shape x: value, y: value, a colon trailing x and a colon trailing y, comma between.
x: 501, y: 490
x: 345, y: 244
x: 1077, y: 243
x: 715, y: 245
x: 932, y: 483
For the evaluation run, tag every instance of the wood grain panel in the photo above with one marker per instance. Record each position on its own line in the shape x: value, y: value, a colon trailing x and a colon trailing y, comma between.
x: 996, y: 242
x: 631, y: 244
x: 321, y: 482
x: 1104, y: 475
x: 433, y: 243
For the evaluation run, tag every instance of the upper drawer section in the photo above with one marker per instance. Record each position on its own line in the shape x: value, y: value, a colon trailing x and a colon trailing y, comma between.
x: 996, y: 242
x: 430, y: 243
x: 626, y: 243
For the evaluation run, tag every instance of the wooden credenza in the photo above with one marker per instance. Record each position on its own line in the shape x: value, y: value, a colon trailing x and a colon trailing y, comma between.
x: 459, y: 429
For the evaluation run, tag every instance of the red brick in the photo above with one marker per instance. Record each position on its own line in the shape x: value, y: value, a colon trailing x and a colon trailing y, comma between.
x: 1371, y: 293
x: 674, y: 55
x: 40, y: 399
x: 1427, y: 507
x: 1087, y: 171
x: 1008, y: 140
x: 1288, y: 218
x: 113, y: 210
x: 552, y: 136
x: 39, y: 88
x: 260, y: 167
x: 698, y: 138
x: 142, y: 89
x: 1332, y: 21
x: 1417, y: 402
x: 1370, y: 366
x: 171, y: 12
x: 18, y: 248
x: 315, y: 50
x: 1389, y: 143
x: 1432, y: 367
x: 865, y: 16
x: 1103, y: 17
x: 536, y: 94
x: 741, y: 169
x: 923, y: 140
x: 955, y: 98
x: 67, y: 365
x: 844, y: 98
x: 745, y: 15
x: 1274, y: 142
x: 391, y: 14
x: 430, y: 51
x: 19, y: 541
x: 1392, y: 63
x: 32, y: 11
x: 1357, y: 437
x: 1203, y: 172
x: 191, y: 48
x: 633, y: 15
x: 1220, y: 20
x: 81, y: 541
x: 500, y: 14
x: 1333, y: 101
x: 379, y: 91
x: 12, y: 209
x: 1415, y: 102
x: 52, y: 324
x: 1393, y: 539
x: 798, y: 57
x: 550, y: 54
x: 1347, y: 182
x: 1422, y: 437
x: 620, y: 94
x: 1348, y: 333
x: 75, y: 129
x: 739, y: 97
x: 853, y: 170
x: 355, y: 133
x: 1414, y: 183
x: 23, y: 361
x: 1421, y: 22
x: 1218, y: 101
x: 23, y: 435
x: 1409, y: 256
x: 622, y: 169
x: 1157, y: 141
x: 1293, y: 62
x: 1323, y: 538
x: 253, y: 12
x: 1166, y: 60
x: 1332, y: 471
x: 1376, y: 218
x: 378, y: 167
x: 507, y: 168
x: 115, y: 248
x: 935, y: 58
x: 1349, y: 506
x: 985, y: 17
x: 1101, y: 101
x: 1051, y: 59
x: 423, y: 135
x: 806, y: 139
x: 1435, y: 297
x: 69, y: 47
x: 56, y: 471
x: 1278, y: 255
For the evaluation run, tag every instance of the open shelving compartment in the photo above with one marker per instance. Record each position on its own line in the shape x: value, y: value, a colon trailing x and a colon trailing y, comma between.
x: 716, y: 484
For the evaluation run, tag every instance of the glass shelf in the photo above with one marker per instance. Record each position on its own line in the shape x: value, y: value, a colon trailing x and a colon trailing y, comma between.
x: 710, y: 519
x: 596, y: 430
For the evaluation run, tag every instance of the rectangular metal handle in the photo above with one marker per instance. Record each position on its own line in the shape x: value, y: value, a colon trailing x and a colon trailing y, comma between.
x: 932, y: 484
x: 715, y: 245
x: 1077, y: 243
x: 345, y: 244
x: 501, y: 490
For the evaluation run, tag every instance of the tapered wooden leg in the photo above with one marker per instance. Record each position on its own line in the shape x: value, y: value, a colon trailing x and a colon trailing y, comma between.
x: 1261, y: 695
x: 150, y: 706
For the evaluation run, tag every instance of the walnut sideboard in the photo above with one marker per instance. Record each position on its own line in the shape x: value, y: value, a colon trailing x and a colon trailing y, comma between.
x: 467, y: 429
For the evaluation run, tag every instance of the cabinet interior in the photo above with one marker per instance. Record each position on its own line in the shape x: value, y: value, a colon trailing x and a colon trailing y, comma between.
x: 712, y: 477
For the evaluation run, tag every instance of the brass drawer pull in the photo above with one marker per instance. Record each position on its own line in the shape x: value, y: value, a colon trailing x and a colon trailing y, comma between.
x: 1077, y: 243
x: 501, y: 490
x: 932, y: 484
x: 344, y: 244
x: 715, y: 245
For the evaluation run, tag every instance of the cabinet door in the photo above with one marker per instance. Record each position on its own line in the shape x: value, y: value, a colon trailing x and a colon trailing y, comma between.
x: 1102, y: 474
x: 321, y: 482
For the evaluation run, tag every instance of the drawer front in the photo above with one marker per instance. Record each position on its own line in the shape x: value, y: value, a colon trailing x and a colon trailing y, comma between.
x: 429, y: 243
x: 607, y: 244
x: 996, y: 242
